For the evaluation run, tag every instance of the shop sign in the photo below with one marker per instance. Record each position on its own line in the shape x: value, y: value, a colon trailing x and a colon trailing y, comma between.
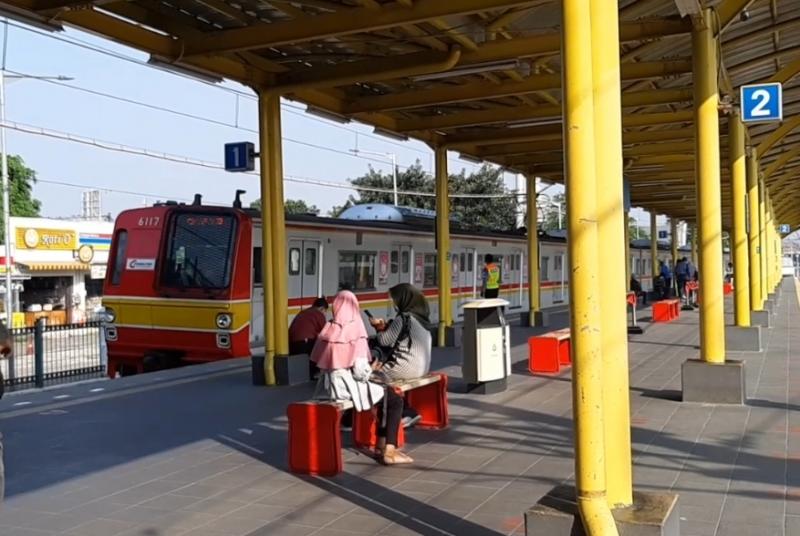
x: 98, y: 271
x: 47, y: 239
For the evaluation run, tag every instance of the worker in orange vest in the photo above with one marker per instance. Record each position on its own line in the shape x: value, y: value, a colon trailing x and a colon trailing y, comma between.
x: 491, y: 277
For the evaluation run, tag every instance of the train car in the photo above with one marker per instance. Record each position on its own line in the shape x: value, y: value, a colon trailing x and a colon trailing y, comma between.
x: 184, y: 282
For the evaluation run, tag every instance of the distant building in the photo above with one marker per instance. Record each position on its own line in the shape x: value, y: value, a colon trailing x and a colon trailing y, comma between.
x: 58, y: 268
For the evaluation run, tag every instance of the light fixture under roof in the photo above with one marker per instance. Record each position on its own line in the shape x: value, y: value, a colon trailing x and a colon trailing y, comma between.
x: 537, y: 122
x: 476, y: 68
x: 185, y: 70
x: 325, y: 114
x: 469, y: 158
x: 390, y: 134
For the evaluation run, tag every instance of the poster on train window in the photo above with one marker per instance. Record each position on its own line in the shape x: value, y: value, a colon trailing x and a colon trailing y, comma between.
x: 419, y: 268
x: 383, y: 267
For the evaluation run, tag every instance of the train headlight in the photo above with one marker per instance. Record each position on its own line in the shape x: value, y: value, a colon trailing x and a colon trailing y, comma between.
x: 224, y: 320
x: 109, y: 315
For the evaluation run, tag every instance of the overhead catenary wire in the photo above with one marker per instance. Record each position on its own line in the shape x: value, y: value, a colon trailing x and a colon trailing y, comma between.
x: 188, y: 160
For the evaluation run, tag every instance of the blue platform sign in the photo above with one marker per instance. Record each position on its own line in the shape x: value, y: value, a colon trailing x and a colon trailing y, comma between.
x: 785, y: 228
x: 762, y: 102
x: 240, y: 156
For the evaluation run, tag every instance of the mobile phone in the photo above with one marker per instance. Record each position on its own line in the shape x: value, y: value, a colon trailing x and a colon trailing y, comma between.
x: 369, y: 315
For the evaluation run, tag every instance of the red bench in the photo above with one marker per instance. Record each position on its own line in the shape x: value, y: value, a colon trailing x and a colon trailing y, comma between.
x: 727, y: 288
x: 315, y: 439
x: 666, y: 310
x: 547, y: 352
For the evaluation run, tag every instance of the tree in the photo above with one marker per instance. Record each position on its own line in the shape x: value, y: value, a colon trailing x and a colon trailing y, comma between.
x: 21, y: 180
x: 473, y: 213
x: 635, y: 231
x: 291, y: 206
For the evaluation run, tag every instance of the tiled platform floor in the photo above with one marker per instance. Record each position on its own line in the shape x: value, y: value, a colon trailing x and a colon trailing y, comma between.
x: 201, y: 452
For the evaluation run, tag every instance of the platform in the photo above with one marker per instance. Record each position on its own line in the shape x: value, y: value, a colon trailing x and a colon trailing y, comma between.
x: 200, y: 451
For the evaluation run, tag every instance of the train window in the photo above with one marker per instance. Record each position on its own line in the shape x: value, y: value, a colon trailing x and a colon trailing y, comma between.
x: 430, y: 279
x: 405, y: 262
x: 294, y: 261
x: 120, y: 256
x: 357, y: 270
x: 559, y: 263
x: 470, y: 262
x: 544, y: 268
x: 199, y: 252
x: 310, y: 261
x: 258, y: 274
x: 395, y: 262
x: 462, y: 262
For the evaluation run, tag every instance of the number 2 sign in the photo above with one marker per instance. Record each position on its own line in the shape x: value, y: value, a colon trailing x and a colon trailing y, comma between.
x: 762, y: 102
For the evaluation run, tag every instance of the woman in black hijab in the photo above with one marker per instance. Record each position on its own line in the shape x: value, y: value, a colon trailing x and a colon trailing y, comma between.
x: 405, y: 340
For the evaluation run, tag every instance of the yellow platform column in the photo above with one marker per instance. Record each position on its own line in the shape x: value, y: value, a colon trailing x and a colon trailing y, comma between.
x: 443, y: 242
x: 709, y: 217
x: 584, y: 267
x: 611, y: 234
x: 754, y: 249
x: 762, y: 226
x: 534, y: 284
x: 741, y: 270
x: 273, y: 153
x: 654, y: 247
x: 267, y: 167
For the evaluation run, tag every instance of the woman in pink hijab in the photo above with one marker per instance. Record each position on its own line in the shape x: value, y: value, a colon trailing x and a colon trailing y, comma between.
x: 343, y: 357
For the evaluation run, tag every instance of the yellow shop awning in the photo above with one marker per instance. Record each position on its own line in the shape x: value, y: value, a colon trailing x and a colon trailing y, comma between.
x: 73, y: 266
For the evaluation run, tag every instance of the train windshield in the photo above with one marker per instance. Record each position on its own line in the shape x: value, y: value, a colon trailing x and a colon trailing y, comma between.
x: 199, y: 252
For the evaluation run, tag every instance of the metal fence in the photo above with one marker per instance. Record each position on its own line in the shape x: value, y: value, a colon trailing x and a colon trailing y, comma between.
x: 54, y: 354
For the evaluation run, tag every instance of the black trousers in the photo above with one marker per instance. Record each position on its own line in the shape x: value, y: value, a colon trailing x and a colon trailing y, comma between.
x: 304, y: 347
x: 390, y: 415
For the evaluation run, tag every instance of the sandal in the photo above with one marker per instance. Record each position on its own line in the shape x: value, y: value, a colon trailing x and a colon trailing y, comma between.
x: 392, y: 456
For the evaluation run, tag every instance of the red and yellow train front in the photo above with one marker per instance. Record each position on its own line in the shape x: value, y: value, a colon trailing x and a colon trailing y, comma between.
x: 178, y: 287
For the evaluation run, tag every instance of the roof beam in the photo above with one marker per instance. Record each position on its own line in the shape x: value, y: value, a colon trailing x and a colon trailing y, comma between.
x: 522, y: 113
x: 728, y: 10
x: 777, y: 135
x: 498, y: 136
x: 344, y: 22
x: 360, y: 20
x: 367, y: 71
x: 477, y: 91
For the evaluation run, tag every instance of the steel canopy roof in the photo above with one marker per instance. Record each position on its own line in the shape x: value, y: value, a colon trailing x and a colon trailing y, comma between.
x: 481, y: 77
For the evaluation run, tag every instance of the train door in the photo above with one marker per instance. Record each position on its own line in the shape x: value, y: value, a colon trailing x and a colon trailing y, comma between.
x: 468, y: 286
x: 515, y: 278
x: 400, y: 258
x: 257, y: 294
x: 304, y: 270
x: 559, y: 271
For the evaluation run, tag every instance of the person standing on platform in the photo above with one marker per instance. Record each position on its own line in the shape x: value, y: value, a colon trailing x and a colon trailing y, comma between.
x: 682, y: 276
x: 666, y: 273
x: 6, y: 350
x: 490, y: 277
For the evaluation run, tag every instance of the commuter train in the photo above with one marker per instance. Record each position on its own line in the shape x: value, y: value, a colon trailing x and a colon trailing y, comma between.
x: 184, y: 282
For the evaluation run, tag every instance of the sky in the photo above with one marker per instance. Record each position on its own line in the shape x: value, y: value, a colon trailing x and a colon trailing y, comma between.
x: 313, y: 148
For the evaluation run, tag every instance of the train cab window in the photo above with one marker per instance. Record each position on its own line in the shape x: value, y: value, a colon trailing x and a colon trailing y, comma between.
x: 294, y: 261
x: 120, y: 257
x: 258, y: 274
x: 357, y: 270
x: 310, y: 261
x: 395, y: 262
x: 470, y: 262
x: 462, y: 263
x: 545, y: 268
x: 405, y: 262
x: 430, y: 279
x: 200, y: 251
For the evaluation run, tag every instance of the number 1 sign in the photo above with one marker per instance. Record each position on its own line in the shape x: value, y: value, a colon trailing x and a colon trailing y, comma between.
x: 762, y: 102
